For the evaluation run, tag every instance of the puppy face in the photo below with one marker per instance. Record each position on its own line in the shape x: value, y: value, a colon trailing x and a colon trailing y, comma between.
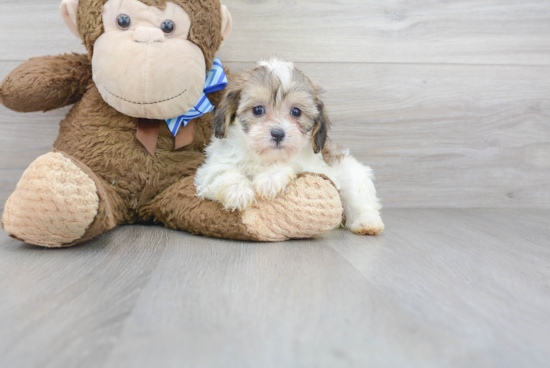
x: 277, y: 107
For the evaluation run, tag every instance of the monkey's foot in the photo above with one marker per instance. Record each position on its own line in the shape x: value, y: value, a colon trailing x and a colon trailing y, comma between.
x: 55, y: 202
x: 309, y: 206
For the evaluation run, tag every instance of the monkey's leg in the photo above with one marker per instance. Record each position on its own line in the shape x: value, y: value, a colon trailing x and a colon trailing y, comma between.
x: 309, y: 206
x: 60, y: 202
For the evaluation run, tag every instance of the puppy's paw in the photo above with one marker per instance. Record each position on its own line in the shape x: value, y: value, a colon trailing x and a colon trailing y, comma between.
x: 237, y: 196
x: 269, y: 184
x: 368, y: 223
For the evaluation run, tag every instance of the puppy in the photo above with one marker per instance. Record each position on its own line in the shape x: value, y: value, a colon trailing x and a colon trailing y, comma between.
x: 271, y: 126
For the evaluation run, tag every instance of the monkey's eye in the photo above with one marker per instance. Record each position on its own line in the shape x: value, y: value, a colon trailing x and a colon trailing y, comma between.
x: 124, y: 21
x: 168, y: 27
x: 296, y: 112
x: 258, y: 110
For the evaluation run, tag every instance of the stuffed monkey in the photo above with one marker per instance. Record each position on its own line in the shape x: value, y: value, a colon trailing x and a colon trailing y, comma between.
x: 116, y: 160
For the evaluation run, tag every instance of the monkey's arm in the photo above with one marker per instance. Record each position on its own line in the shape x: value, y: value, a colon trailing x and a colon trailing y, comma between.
x: 46, y: 83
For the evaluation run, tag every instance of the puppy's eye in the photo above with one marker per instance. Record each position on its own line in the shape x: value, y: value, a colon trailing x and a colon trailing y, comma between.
x: 168, y: 27
x: 258, y: 110
x: 124, y: 21
x: 296, y: 112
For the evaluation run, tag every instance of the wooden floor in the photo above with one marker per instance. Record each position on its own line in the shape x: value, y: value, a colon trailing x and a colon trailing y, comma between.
x: 441, y: 288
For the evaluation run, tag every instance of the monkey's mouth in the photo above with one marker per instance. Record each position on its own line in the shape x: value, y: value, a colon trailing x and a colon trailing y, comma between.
x: 143, y: 103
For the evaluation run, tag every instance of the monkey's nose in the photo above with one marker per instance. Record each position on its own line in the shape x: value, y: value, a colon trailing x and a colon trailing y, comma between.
x: 148, y: 35
x: 278, y: 135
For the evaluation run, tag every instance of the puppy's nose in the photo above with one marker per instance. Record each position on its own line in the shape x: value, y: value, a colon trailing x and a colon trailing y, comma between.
x: 278, y: 135
x: 148, y: 35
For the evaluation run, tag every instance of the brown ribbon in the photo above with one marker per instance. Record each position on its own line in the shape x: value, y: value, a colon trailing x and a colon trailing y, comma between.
x: 185, y: 136
x: 148, y: 133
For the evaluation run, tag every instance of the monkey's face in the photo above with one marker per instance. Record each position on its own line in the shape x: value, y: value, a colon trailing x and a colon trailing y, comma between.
x: 143, y: 64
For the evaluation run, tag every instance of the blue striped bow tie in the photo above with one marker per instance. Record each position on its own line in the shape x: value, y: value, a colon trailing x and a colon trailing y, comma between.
x: 216, y: 80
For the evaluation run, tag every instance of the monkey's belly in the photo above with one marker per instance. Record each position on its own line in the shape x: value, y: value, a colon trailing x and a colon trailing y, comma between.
x: 117, y: 157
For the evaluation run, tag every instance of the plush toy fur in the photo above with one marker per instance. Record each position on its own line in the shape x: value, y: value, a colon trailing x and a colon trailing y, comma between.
x: 99, y: 175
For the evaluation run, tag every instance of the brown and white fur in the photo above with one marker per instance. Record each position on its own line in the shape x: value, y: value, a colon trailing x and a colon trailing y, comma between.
x: 272, y: 126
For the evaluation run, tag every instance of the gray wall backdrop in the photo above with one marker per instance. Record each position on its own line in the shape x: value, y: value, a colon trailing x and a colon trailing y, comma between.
x: 448, y: 101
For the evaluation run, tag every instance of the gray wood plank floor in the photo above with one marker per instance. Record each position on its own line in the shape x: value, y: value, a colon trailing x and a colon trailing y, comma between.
x: 441, y: 288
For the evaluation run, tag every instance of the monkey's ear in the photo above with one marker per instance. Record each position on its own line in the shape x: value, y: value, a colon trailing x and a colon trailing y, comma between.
x: 68, y: 9
x: 322, y: 126
x: 225, y: 114
x: 227, y: 23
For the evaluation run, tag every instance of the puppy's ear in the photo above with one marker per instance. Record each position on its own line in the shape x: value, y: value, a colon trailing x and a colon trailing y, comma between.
x: 322, y: 126
x: 225, y: 114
